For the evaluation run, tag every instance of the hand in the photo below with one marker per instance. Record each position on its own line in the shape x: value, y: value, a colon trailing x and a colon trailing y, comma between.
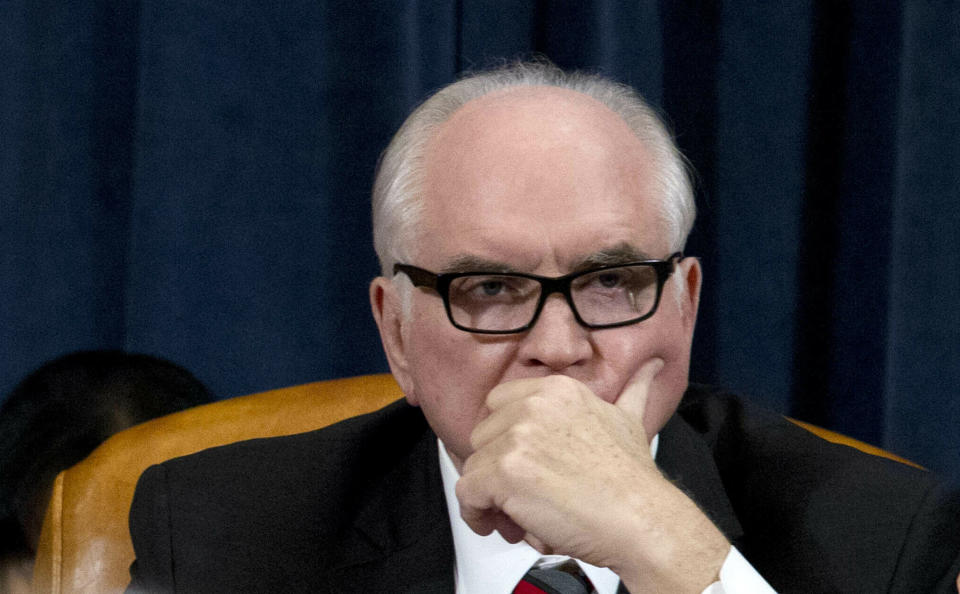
x: 557, y: 466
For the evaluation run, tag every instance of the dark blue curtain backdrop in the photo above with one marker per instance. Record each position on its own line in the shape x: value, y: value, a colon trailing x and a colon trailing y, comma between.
x: 191, y: 179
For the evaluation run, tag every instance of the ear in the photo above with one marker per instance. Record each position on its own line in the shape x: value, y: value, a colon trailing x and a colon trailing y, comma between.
x: 387, y: 312
x: 691, y: 273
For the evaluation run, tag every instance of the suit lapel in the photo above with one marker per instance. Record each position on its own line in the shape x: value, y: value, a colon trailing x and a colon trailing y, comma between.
x: 400, y: 540
x: 687, y: 459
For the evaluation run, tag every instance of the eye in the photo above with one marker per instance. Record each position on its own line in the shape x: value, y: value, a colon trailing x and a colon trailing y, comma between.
x: 631, y: 278
x: 486, y: 286
x: 602, y: 280
x: 491, y: 288
x: 609, y: 279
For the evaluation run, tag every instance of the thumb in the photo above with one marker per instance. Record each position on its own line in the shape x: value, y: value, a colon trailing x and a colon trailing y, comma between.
x: 633, y: 398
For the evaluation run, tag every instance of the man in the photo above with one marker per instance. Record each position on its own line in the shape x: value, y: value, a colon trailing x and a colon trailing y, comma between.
x: 537, y: 312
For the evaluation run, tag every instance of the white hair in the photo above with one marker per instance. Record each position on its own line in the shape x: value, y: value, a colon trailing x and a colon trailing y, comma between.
x: 397, y: 194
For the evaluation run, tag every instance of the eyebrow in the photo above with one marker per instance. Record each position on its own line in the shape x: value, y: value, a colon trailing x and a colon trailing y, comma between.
x: 622, y: 253
x: 469, y: 263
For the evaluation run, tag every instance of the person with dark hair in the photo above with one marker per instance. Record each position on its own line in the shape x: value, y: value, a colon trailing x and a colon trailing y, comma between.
x: 56, y: 416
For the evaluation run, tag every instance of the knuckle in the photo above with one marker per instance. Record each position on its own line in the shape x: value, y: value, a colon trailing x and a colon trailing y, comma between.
x: 513, y: 465
x: 529, y: 409
x: 518, y: 434
x: 476, y: 442
x: 468, y: 467
x: 466, y: 492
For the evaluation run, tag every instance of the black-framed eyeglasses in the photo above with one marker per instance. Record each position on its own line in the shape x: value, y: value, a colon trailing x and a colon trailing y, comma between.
x: 510, y: 302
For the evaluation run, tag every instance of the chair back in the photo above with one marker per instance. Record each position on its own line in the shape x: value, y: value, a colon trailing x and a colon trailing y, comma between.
x: 85, y: 543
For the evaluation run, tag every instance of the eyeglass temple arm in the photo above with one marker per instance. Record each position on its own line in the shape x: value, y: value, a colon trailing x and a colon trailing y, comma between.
x: 418, y: 276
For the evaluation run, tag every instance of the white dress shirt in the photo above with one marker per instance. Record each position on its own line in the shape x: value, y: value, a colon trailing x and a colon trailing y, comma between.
x: 491, y: 565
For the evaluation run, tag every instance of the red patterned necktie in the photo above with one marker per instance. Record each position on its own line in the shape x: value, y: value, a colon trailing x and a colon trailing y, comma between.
x: 555, y: 578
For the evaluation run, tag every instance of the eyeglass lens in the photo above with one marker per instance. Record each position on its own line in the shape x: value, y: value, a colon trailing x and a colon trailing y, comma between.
x: 506, y: 302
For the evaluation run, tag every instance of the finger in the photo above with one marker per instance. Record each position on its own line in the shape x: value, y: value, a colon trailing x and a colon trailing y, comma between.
x: 508, y: 529
x: 633, y: 398
x: 500, y: 421
x: 503, y: 394
x: 484, y: 520
x: 476, y: 493
x: 511, y: 402
x: 476, y: 507
x: 481, y: 521
x: 538, y: 544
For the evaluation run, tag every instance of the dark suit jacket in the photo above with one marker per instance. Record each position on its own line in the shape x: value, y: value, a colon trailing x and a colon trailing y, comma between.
x: 359, y: 507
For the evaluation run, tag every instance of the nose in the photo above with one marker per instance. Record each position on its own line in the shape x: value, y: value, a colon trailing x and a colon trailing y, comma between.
x: 556, y: 341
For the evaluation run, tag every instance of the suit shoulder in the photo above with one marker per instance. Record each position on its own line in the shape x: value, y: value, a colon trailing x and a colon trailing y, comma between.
x: 246, y: 513
x: 280, y: 476
x: 744, y: 436
x: 379, y: 434
x: 799, y: 496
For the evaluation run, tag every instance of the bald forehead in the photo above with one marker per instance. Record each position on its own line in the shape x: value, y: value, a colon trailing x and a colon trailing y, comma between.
x: 526, y: 139
x: 539, y: 116
x: 537, y: 160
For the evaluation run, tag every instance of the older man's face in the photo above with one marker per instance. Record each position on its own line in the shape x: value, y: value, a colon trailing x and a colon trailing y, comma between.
x: 537, y: 180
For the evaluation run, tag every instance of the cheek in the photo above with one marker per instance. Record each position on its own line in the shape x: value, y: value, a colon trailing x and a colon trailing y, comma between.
x: 665, y: 395
x: 452, y: 373
x: 665, y: 341
x: 644, y: 342
x: 669, y: 385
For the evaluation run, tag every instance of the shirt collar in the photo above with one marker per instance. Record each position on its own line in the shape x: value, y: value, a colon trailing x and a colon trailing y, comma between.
x: 490, y: 564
